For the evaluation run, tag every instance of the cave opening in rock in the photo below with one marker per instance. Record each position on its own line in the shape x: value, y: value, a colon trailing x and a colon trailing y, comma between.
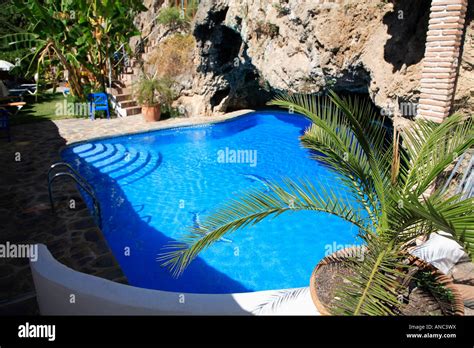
x: 224, y: 54
x: 217, y: 98
x: 220, y: 45
x: 228, y: 46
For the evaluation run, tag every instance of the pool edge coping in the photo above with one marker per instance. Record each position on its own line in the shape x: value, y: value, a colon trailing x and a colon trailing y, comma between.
x: 190, y: 123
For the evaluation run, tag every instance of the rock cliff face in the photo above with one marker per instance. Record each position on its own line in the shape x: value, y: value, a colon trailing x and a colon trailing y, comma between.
x: 246, y: 50
x: 464, y: 97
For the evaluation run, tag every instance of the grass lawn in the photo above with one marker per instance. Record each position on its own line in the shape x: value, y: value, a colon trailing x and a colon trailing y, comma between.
x: 45, y: 108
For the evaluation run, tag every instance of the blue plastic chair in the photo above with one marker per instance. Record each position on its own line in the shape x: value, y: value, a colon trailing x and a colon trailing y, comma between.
x: 5, y: 122
x: 98, y: 102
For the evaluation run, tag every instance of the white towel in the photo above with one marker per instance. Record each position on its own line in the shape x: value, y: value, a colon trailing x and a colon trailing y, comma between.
x: 439, y: 251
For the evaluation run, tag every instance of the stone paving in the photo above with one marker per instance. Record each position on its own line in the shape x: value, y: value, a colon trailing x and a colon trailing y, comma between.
x: 71, y: 234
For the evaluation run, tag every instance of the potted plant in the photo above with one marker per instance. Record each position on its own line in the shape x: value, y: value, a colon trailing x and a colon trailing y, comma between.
x: 422, y: 289
x: 152, y: 94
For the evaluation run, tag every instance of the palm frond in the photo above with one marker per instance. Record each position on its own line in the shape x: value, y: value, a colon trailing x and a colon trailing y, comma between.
x: 253, y: 207
x: 374, y: 287
x: 19, y: 41
x: 431, y: 147
x: 350, y: 167
x: 437, y: 213
x: 278, y: 299
x: 336, y: 139
x: 369, y: 138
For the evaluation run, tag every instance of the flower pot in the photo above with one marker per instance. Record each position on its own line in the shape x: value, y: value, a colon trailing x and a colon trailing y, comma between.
x: 151, y: 113
x: 333, y: 263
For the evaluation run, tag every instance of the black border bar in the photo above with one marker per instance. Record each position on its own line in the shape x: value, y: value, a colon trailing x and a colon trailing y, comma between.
x: 349, y: 331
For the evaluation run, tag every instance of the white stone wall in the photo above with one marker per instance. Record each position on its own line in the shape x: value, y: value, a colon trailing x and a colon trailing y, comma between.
x: 63, y: 291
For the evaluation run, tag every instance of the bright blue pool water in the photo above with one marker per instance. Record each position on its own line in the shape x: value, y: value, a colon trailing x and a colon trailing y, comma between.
x: 152, y: 186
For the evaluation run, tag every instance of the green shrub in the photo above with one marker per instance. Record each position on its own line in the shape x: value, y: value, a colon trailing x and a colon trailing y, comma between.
x: 192, y: 9
x: 173, y: 18
x: 281, y: 9
x: 151, y: 91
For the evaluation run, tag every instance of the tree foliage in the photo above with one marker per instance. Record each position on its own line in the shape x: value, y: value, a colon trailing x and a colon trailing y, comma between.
x: 79, y: 37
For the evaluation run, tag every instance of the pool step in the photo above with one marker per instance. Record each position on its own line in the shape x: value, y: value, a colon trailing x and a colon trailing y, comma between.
x: 121, y: 164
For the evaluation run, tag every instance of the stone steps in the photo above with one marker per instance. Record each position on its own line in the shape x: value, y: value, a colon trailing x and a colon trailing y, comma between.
x: 122, y: 97
x: 133, y: 110
x: 120, y: 90
x: 127, y: 103
x: 122, y: 94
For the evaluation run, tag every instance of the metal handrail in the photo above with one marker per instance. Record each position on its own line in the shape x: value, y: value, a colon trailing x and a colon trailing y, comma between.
x: 465, y: 187
x: 80, y: 181
x: 466, y: 183
x: 141, y: 40
x: 453, y: 172
x: 68, y: 166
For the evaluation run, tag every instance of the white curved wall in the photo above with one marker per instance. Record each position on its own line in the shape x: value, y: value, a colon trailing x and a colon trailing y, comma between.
x: 55, y: 283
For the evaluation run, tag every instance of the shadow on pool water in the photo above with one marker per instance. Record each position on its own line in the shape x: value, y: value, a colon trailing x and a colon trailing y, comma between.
x: 134, y: 253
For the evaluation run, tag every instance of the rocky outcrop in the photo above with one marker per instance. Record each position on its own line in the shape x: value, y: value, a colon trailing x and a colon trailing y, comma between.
x: 247, y: 50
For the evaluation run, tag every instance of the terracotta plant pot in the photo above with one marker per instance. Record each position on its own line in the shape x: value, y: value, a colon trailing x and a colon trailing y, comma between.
x: 335, y: 260
x: 151, y: 113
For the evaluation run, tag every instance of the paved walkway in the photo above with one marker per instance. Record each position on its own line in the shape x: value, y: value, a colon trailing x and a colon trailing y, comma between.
x: 73, y: 130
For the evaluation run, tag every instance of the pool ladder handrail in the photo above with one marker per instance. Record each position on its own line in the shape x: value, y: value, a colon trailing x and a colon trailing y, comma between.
x: 465, y: 187
x: 80, y: 181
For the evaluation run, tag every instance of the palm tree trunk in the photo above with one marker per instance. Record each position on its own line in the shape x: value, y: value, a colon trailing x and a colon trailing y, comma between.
x: 396, y: 155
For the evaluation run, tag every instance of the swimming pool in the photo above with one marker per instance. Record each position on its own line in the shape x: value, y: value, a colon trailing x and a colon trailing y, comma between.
x: 152, y: 186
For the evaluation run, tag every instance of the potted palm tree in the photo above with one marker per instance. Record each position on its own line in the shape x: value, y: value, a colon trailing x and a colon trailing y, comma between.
x: 421, y: 288
x: 153, y: 93
x: 387, y: 175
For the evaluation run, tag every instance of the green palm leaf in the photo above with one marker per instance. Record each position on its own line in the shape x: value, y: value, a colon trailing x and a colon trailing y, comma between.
x: 20, y: 40
x: 253, y: 207
x: 431, y: 147
x: 335, y: 134
x: 375, y: 285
